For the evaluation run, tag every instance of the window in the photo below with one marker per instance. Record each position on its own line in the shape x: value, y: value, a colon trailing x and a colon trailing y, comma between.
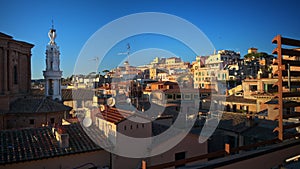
x: 253, y: 87
x: 51, y: 65
x: 170, y: 96
x: 131, y: 127
x: 179, y: 156
x: 224, y: 76
x: 79, y: 104
x: 50, y: 91
x: 31, y: 121
x: 137, y: 126
x: 52, y: 120
x: 143, y: 125
x: 124, y: 127
x: 178, y: 96
x: 196, y: 96
x: 15, y: 74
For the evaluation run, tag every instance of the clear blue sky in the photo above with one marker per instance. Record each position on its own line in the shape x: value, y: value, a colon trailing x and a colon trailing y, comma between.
x: 235, y: 25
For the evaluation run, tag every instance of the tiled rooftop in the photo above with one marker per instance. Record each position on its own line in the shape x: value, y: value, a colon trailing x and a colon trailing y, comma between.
x: 287, y: 103
x: 190, y: 90
x: 69, y: 94
x: 114, y: 115
x: 259, y: 129
x: 38, y: 143
x: 233, y: 122
x: 37, y: 105
x: 165, y: 83
x: 78, y: 94
x: 240, y: 99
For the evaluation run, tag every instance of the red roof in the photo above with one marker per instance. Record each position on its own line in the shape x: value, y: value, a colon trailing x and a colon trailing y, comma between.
x: 40, y: 143
x: 165, y: 83
x: 190, y: 91
x: 114, y: 115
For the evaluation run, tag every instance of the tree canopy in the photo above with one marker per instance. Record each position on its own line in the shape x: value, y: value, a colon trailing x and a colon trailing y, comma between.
x: 258, y: 55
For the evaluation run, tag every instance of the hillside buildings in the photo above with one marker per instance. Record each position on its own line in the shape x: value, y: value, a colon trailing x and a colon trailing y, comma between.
x: 64, y: 128
x: 213, y: 71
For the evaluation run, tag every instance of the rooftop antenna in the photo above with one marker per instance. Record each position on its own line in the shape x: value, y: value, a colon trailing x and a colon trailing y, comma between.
x: 126, y: 53
x: 52, y: 24
x: 96, y: 60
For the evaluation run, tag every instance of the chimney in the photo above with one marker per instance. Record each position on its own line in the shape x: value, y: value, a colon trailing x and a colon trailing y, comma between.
x: 227, y: 148
x: 250, y: 121
x: 62, y: 137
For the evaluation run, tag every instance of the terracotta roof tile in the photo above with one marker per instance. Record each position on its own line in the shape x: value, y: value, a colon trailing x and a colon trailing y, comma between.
x: 240, y: 99
x: 190, y: 90
x: 69, y: 94
x: 38, y: 143
x: 114, y: 115
x: 77, y: 94
x: 37, y: 105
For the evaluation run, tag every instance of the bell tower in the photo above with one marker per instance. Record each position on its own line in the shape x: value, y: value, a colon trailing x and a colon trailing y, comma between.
x: 52, y: 74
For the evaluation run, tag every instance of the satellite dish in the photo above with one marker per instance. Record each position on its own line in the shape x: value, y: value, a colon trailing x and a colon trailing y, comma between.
x: 79, y: 114
x: 111, y: 102
x: 102, y: 107
x: 128, y: 100
x: 87, y: 122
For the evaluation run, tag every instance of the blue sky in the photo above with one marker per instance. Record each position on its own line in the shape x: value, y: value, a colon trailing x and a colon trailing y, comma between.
x: 235, y: 25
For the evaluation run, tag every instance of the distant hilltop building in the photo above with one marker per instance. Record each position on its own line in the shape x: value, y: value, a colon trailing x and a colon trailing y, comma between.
x: 171, y: 63
x: 252, y: 50
x: 52, y: 73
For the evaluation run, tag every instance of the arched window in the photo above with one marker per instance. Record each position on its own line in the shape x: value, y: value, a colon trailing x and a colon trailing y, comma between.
x: 51, y: 65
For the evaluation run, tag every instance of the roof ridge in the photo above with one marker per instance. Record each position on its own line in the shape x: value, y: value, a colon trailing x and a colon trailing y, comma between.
x: 40, y: 104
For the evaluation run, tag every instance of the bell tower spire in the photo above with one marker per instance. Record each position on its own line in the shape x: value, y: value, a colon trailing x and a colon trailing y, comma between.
x: 52, y: 74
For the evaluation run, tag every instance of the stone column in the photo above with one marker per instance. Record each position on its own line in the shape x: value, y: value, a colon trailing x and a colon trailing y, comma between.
x: 5, y: 70
x: 2, y: 71
x: 29, y: 72
x: 55, y: 87
x: 46, y: 87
